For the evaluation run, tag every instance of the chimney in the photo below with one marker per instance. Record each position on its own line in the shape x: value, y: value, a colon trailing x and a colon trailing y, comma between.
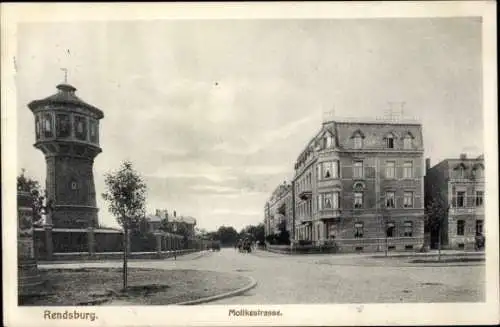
x: 427, y: 164
x: 463, y: 156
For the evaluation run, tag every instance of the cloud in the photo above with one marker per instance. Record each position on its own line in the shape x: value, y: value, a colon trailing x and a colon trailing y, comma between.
x: 236, y: 212
x: 215, y: 189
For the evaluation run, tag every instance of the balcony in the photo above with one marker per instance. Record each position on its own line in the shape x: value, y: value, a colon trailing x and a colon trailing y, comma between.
x: 305, y: 194
x: 329, y: 214
x: 305, y: 220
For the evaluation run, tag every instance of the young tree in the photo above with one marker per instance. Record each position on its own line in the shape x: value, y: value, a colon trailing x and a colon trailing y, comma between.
x: 32, y: 186
x: 436, y: 211
x: 126, y: 198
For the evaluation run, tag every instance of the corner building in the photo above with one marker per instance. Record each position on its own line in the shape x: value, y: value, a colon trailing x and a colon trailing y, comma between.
x: 279, y: 210
x: 361, y: 184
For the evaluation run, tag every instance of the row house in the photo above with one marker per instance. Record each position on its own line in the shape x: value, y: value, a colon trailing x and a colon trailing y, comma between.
x: 361, y: 183
x: 457, y: 185
x: 279, y: 210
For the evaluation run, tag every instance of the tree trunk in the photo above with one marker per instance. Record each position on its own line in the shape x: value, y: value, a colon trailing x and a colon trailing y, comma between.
x: 439, y: 243
x: 125, y: 257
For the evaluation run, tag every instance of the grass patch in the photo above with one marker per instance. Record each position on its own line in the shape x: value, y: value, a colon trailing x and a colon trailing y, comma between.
x: 69, y: 287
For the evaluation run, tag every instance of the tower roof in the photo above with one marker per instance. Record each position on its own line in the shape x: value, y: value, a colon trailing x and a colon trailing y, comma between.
x: 65, y: 96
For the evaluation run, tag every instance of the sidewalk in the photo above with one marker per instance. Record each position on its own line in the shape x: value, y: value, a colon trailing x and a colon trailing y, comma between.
x: 431, y: 253
x: 115, y: 262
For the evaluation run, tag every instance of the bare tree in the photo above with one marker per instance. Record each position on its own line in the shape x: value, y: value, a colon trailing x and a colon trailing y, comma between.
x: 126, y: 197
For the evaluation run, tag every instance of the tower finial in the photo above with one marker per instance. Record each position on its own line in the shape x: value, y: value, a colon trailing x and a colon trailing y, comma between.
x: 65, y: 70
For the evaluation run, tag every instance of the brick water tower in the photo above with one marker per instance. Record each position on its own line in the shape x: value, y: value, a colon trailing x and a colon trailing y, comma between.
x: 67, y: 132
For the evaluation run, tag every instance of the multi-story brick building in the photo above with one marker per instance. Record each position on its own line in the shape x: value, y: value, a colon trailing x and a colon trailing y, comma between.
x: 361, y: 183
x: 279, y: 210
x: 458, y: 185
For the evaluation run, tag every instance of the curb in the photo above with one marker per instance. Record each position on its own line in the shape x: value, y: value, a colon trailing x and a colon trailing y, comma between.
x: 242, y: 290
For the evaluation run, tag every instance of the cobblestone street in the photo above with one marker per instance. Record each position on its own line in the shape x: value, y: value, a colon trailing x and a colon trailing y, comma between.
x: 348, y: 278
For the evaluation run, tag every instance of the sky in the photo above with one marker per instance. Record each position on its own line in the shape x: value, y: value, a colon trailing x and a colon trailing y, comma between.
x: 213, y: 113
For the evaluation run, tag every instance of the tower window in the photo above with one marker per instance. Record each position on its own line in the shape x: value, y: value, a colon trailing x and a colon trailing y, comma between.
x: 47, y: 125
x: 80, y: 128
x: 74, y: 185
x: 93, y: 131
x: 63, y: 125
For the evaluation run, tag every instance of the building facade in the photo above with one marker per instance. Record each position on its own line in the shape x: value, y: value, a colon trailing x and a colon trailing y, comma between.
x: 458, y: 185
x: 279, y: 211
x: 361, y: 184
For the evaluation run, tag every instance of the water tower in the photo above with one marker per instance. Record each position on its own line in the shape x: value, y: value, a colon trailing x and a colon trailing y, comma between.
x: 67, y: 132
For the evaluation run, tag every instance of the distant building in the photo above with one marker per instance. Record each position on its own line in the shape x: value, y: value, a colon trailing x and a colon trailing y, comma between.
x: 459, y: 184
x: 188, y: 221
x: 154, y: 223
x: 360, y: 183
x: 279, y: 211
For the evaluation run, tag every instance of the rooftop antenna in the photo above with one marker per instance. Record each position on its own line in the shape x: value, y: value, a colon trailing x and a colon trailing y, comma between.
x: 329, y: 115
x: 393, y: 114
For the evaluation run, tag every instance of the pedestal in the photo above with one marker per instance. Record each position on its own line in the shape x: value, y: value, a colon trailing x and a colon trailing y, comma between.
x: 27, y: 270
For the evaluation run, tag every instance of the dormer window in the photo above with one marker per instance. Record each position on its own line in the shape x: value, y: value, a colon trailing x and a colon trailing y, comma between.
x: 389, y: 141
x: 358, y: 142
x: 408, y: 142
x: 478, y: 171
x: 461, y: 171
x: 357, y: 138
